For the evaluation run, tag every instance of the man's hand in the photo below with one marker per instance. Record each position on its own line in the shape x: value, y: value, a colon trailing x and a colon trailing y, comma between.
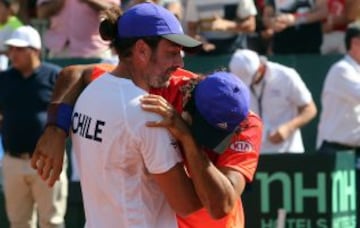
x: 221, y: 24
x: 280, y: 134
x: 171, y: 119
x: 48, y: 156
x: 279, y: 23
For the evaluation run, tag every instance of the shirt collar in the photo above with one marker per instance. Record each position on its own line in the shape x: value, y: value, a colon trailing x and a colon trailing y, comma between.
x: 353, y: 63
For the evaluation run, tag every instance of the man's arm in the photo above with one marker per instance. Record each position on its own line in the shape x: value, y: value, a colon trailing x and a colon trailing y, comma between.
x: 240, y: 25
x: 178, y: 190
x: 217, y: 188
x: 49, y: 151
x: 352, y: 9
x: 48, y: 8
x: 279, y: 22
x: 305, y: 114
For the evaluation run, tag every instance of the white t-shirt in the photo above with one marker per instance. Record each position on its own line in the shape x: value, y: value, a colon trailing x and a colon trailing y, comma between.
x: 203, y: 11
x: 340, y: 100
x: 116, y: 155
x: 283, y: 93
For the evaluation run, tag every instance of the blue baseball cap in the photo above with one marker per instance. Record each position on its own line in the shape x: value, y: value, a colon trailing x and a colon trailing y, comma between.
x: 222, y: 102
x: 149, y: 19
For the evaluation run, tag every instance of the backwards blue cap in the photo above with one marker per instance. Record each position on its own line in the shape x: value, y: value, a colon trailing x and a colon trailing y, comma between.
x: 149, y: 19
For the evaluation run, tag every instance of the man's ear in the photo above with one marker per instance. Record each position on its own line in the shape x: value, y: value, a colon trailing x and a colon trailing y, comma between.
x: 142, y: 51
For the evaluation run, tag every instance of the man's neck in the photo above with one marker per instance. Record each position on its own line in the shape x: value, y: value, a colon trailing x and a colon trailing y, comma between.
x: 131, y: 73
x: 29, y: 70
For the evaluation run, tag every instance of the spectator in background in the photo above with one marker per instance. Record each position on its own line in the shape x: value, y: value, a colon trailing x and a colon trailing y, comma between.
x: 341, y: 92
x: 296, y: 25
x: 279, y: 97
x: 25, y: 92
x: 260, y: 40
x: 8, y: 23
x: 353, y: 10
x: 26, y: 10
x: 73, y: 30
x: 174, y: 6
x: 218, y: 25
x: 339, y: 124
x: 334, y: 28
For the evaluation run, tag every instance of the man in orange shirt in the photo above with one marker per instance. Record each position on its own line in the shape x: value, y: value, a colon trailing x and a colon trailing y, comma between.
x: 230, y: 154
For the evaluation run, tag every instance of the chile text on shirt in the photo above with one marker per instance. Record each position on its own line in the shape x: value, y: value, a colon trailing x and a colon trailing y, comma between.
x: 87, y: 127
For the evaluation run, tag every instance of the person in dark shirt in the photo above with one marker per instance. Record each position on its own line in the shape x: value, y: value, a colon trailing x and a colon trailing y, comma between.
x: 25, y: 92
x: 296, y: 25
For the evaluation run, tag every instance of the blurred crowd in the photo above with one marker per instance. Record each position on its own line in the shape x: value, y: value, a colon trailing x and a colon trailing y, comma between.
x: 68, y: 28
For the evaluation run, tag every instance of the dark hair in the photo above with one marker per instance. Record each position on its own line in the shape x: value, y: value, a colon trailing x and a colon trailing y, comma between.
x: 109, y: 29
x: 352, y: 31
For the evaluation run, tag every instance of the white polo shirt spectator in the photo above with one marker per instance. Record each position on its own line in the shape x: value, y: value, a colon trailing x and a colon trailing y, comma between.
x: 340, y: 100
x: 339, y: 125
x: 279, y: 96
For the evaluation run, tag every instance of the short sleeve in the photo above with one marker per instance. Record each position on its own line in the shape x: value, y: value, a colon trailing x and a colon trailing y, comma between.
x: 246, y: 8
x: 344, y: 81
x: 299, y: 93
x: 191, y: 13
x: 159, y: 150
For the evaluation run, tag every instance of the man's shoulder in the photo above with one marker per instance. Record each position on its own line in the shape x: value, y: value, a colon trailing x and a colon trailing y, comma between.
x: 98, y: 70
x: 182, y: 73
x: 283, y: 73
x: 252, y: 120
x: 275, y: 66
x: 50, y: 67
x: 250, y: 127
x: 9, y: 73
x: 345, y: 63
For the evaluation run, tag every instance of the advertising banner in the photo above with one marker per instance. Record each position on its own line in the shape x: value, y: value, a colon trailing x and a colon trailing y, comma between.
x: 304, y: 190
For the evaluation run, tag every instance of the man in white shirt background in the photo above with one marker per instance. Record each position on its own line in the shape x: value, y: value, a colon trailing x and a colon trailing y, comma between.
x: 279, y: 96
x: 339, y: 125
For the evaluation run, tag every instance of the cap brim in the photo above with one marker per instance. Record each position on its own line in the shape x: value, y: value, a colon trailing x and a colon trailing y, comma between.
x: 16, y: 43
x: 208, y: 136
x: 189, y: 44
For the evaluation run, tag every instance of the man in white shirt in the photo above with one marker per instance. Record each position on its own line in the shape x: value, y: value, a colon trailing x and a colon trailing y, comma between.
x: 339, y: 125
x: 279, y: 97
x: 131, y: 176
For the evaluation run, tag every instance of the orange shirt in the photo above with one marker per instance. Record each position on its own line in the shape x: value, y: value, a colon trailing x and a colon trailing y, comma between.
x: 100, y: 69
x: 242, y: 153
